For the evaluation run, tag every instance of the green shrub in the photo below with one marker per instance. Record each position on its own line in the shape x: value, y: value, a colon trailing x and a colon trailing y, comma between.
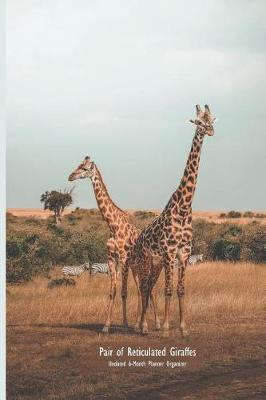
x: 257, y: 246
x: 260, y: 215
x: 34, y: 249
x: 226, y: 250
x: 248, y: 214
x: 233, y: 230
x: 58, y: 230
x: 14, y: 248
x: 222, y: 215
x: 24, y: 259
x: 25, y: 267
x: 234, y: 214
x: 84, y: 247
x: 74, y: 216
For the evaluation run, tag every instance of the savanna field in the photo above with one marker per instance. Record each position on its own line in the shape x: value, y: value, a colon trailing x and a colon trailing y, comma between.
x: 54, y: 334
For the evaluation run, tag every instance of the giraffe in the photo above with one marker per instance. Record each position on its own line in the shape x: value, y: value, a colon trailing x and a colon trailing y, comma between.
x: 169, y: 236
x: 122, y: 236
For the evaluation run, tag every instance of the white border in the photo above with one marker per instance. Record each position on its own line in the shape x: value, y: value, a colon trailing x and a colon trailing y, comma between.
x: 2, y: 204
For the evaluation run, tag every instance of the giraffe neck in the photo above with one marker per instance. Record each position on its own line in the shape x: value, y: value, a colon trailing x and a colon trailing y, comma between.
x: 183, y: 196
x: 112, y: 214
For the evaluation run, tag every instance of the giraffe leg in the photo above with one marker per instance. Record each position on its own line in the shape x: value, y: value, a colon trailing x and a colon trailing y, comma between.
x: 153, y: 301
x: 145, y: 300
x: 168, y: 294
x: 153, y: 281
x: 181, y: 298
x: 156, y: 317
x: 124, y: 293
x: 136, y: 279
x: 113, y: 276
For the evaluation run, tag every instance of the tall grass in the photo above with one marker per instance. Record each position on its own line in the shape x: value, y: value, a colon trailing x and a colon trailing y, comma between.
x: 214, y: 292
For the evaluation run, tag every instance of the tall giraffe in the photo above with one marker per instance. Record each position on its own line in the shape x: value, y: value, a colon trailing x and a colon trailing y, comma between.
x: 170, y: 235
x: 122, y: 235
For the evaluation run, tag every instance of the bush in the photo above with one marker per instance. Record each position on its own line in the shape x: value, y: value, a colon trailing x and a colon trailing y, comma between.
x: 248, y: 214
x: 76, y: 248
x: 259, y: 215
x: 24, y: 259
x: 24, y: 268
x: 34, y: 249
x: 61, y: 282
x: 226, y: 250
x: 222, y: 215
x: 74, y: 216
x: 257, y: 246
x: 84, y: 247
x: 234, y: 214
x: 233, y: 230
x: 55, y: 228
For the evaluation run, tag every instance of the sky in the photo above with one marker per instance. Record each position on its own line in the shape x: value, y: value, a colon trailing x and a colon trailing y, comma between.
x: 118, y: 81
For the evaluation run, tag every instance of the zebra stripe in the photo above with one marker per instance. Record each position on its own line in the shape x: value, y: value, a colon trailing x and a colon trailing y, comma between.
x: 99, y: 268
x: 193, y: 259
x: 75, y: 270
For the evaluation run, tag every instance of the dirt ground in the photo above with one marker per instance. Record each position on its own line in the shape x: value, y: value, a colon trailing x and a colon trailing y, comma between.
x: 62, y: 362
x: 54, y: 338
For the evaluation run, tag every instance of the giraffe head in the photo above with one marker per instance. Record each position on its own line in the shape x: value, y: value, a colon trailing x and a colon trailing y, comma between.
x: 204, y: 121
x: 86, y: 169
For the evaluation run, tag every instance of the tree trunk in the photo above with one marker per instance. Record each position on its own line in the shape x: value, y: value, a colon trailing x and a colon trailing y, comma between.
x: 57, y: 218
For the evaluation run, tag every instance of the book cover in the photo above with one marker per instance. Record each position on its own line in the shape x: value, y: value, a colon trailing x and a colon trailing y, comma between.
x: 136, y: 221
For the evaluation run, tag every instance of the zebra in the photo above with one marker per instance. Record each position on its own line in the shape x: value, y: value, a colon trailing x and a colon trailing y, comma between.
x: 99, y: 268
x: 75, y: 270
x: 193, y: 259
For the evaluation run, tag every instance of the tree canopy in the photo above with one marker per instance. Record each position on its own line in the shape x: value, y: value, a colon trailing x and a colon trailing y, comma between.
x: 57, y: 201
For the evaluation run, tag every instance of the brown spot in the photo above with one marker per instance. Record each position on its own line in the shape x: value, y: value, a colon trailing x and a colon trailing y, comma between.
x: 192, y: 168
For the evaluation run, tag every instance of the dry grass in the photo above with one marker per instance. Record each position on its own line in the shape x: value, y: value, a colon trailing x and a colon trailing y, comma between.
x: 213, y: 289
x: 54, y: 337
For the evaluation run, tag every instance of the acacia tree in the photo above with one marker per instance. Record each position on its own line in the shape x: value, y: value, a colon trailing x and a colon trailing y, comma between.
x: 57, y: 201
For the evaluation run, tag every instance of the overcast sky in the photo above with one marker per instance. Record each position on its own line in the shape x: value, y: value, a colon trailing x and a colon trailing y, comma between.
x: 117, y: 80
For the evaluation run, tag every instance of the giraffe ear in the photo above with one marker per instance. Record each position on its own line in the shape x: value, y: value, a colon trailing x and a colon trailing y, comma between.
x: 192, y: 121
x: 87, y: 158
